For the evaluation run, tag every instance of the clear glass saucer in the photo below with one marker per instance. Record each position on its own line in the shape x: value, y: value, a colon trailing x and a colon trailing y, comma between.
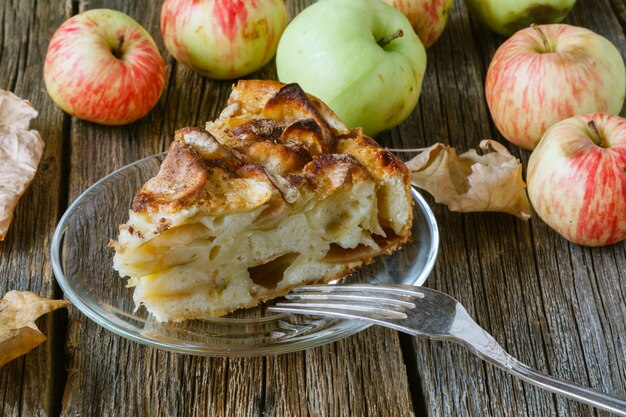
x: 82, y: 263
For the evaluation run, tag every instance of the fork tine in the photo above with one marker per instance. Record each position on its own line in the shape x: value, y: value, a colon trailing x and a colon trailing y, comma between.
x: 383, y: 299
x: 340, y: 313
x: 371, y: 288
x: 367, y: 308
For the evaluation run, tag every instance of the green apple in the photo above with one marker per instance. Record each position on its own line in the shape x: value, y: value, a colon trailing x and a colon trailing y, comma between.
x: 361, y: 57
x: 508, y: 16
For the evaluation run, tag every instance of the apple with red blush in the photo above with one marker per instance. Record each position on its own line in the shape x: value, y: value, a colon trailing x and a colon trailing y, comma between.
x: 544, y: 74
x: 223, y: 39
x: 577, y: 179
x: 428, y: 17
x: 103, y: 66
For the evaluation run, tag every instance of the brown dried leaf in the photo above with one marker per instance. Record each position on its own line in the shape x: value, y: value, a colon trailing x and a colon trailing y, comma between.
x: 20, y: 152
x: 14, y: 111
x: 18, y: 332
x: 471, y: 181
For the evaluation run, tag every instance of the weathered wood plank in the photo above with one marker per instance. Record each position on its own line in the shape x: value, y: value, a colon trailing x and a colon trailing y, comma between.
x: 26, y: 384
x: 555, y: 306
x: 360, y: 376
x: 619, y: 8
x: 459, y: 117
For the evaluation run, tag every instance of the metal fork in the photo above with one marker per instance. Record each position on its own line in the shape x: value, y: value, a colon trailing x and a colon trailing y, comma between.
x: 421, y: 311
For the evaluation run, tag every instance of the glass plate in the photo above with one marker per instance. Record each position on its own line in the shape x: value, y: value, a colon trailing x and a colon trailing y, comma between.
x: 83, y: 265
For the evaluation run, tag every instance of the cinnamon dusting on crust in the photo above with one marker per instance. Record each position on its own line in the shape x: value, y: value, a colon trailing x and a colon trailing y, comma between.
x: 180, y: 180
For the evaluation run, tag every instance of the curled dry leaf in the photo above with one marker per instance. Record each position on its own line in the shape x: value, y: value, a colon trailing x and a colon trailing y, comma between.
x: 491, y: 181
x: 20, y: 152
x: 18, y: 332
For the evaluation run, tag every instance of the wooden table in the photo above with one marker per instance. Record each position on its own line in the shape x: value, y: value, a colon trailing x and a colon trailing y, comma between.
x: 556, y: 306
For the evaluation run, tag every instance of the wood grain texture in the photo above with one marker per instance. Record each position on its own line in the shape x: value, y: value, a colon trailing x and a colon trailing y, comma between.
x: 556, y: 306
x: 619, y: 8
x: 360, y: 376
x: 26, y: 384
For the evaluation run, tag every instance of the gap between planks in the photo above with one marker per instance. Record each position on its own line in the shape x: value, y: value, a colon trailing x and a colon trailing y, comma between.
x: 59, y: 326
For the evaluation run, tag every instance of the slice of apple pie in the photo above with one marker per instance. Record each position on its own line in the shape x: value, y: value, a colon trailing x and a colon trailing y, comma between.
x: 274, y: 194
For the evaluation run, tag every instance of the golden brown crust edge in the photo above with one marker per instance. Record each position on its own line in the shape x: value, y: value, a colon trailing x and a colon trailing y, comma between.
x: 185, y: 172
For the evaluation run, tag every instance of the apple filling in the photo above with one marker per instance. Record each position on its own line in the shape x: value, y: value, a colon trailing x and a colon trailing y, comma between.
x: 233, y: 261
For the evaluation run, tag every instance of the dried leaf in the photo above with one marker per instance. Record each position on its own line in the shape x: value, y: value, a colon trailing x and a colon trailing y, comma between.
x: 18, y: 332
x: 471, y: 181
x: 14, y: 111
x: 20, y: 152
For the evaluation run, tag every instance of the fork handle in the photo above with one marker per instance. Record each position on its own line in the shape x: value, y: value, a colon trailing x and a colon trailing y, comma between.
x: 466, y: 332
x: 490, y: 351
x: 568, y: 389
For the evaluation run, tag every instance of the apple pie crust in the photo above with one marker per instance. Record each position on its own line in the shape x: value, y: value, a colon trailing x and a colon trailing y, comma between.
x: 275, y: 193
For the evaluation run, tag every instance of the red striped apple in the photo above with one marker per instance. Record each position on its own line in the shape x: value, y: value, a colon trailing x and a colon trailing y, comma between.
x: 428, y: 17
x: 102, y: 66
x: 223, y: 39
x: 577, y: 179
x: 544, y: 74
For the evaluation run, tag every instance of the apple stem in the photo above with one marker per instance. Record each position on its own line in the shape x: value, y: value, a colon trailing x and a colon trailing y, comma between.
x: 117, y: 52
x: 387, y: 39
x: 597, y: 138
x: 544, y: 39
